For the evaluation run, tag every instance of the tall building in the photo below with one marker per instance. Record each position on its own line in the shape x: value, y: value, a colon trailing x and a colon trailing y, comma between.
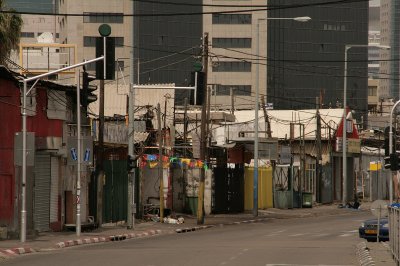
x: 389, y: 65
x: 233, y: 39
x: 35, y: 25
x: 306, y: 60
x: 36, y: 6
x: 83, y: 30
x: 168, y: 45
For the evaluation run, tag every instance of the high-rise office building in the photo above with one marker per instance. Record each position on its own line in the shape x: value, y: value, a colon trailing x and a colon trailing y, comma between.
x: 235, y: 59
x: 389, y: 65
x: 306, y: 60
x: 167, y: 42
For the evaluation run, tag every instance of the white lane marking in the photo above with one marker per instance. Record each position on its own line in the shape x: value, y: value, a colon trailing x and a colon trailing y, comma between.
x: 232, y: 258
x: 275, y: 233
x: 297, y: 235
x: 345, y: 235
x: 303, y: 265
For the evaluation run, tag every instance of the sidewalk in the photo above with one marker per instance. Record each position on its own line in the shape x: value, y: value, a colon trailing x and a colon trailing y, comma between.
x: 48, y: 241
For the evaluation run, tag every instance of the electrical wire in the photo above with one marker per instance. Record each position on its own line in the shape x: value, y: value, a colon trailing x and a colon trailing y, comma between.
x: 264, y: 8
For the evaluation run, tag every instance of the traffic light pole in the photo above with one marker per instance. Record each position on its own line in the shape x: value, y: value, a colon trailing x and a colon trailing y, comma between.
x: 24, y: 133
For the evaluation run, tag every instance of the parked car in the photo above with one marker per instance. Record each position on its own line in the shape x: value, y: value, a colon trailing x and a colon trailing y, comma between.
x: 369, y: 229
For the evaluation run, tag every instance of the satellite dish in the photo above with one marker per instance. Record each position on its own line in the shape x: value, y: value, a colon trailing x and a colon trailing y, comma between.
x: 379, y: 208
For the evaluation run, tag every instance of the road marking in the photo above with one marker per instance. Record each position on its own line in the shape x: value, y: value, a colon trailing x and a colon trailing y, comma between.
x: 297, y: 235
x: 320, y: 235
x: 303, y: 265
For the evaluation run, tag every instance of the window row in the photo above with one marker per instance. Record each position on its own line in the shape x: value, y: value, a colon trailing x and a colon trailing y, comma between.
x: 32, y: 34
x: 90, y: 17
x: 232, y: 66
x: 231, y: 42
x: 242, y: 90
x: 90, y: 41
x: 231, y: 19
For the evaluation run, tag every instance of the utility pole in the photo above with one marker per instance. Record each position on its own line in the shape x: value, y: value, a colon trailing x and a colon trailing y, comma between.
x: 131, y: 140
x: 200, y: 202
x: 184, y: 173
x: 319, y: 154
x: 269, y: 133
x: 232, y: 102
x: 160, y: 163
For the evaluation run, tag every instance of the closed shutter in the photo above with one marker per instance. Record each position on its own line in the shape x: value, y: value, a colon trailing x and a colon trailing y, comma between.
x: 54, y: 190
x: 41, y: 212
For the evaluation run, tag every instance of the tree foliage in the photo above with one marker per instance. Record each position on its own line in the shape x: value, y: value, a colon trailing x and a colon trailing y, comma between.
x: 10, y: 31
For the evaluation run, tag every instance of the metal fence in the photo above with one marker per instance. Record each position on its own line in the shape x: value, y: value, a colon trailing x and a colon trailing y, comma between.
x: 394, y: 233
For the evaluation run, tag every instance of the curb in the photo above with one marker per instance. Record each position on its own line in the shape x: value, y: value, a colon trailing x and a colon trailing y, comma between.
x: 196, y: 228
x: 114, y: 238
x: 10, y: 253
x: 363, y: 255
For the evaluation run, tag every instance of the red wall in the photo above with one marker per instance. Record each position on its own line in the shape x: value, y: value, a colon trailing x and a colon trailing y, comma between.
x: 11, y: 122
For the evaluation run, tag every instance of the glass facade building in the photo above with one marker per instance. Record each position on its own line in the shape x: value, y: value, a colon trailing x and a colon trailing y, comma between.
x: 166, y: 46
x: 306, y: 60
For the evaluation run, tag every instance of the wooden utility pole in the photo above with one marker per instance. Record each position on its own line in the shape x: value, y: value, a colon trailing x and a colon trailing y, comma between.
x: 200, y: 199
x: 269, y: 133
x: 160, y: 163
x: 319, y: 154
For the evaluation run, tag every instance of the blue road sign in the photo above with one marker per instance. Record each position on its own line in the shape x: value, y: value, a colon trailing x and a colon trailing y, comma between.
x: 87, y: 155
x: 73, y: 154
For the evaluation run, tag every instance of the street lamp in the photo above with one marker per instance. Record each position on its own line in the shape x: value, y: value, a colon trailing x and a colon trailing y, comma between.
x: 347, y: 48
x: 255, y: 177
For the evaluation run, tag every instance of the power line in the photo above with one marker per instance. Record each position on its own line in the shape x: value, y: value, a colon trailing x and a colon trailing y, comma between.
x: 264, y: 8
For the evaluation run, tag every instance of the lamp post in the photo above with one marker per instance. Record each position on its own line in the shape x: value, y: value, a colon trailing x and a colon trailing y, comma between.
x: 344, y: 147
x: 256, y: 106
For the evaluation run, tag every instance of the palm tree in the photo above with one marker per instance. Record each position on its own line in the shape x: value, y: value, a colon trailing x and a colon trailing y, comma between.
x: 10, y: 31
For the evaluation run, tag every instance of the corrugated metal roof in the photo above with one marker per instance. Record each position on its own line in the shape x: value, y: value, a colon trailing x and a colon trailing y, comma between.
x: 280, y: 123
x: 115, y: 100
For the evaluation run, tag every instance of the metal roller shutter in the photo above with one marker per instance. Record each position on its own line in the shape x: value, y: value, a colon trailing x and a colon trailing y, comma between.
x: 54, y: 190
x: 41, y: 212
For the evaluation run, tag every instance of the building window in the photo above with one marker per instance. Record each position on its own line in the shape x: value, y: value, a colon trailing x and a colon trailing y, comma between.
x: 234, y: 66
x: 119, y: 65
x: 372, y: 91
x: 231, y: 42
x: 231, y: 19
x: 90, y: 17
x: 90, y: 41
x: 242, y: 90
x: 27, y: 34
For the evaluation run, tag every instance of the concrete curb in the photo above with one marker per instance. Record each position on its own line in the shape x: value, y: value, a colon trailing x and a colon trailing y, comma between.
x: 363, y: 255
x: 10, y: 253
x: 196, y: 228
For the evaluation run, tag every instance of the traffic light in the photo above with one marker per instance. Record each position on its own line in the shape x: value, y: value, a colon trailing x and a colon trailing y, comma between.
x: 200, y: 89
x: 110, y: 58
x: 394, y: 162
x: 130, y: 163
x: 87, y: 90
x: 387, y: 162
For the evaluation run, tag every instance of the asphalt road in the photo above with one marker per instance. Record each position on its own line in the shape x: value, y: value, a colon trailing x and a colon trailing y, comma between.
x: 328, y: 240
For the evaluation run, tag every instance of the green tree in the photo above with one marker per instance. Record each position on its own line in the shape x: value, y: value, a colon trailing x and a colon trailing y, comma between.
x: 10, y: 31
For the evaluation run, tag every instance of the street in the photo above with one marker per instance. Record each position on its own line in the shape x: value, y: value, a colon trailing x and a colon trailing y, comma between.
x: 326, y: 240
